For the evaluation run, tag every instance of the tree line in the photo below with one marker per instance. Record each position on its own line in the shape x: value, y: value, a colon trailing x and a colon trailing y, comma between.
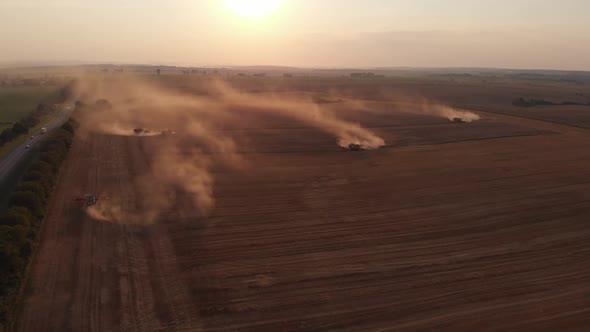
x: 523, y: 102
x: 21, y: 219
x: 31, y: 120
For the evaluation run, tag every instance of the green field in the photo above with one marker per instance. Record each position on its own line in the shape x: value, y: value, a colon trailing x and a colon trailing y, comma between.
x: 17, y: 102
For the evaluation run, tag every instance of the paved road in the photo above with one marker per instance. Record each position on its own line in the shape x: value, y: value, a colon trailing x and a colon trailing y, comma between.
x: 13, y: 158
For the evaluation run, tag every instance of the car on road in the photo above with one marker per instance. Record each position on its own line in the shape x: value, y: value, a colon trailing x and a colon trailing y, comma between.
x: 27, y: 146
x: 32, y: 137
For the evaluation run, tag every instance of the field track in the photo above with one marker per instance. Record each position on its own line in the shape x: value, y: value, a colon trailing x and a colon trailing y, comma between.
x: 487, y: 231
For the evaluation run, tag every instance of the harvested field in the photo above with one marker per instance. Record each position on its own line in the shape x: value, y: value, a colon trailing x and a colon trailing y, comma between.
x: 577, y: 116
x: 448, y: 227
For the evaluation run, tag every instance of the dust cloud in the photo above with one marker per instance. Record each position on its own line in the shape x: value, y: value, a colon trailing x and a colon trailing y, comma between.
x: 449, y: 113
x: 121, y: 130
x: 304, y: 110
x: 105, y: 212
x: 415, y: 104
x: 190, y: 171
x: 198, y: 114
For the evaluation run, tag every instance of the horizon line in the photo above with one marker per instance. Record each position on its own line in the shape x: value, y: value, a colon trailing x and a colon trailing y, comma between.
x: 57, y: 64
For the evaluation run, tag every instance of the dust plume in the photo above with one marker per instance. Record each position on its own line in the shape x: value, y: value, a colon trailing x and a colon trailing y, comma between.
x: 190, y: 171
x: 105, y: 212
x: 388, y: 101
x: 122, y: 130
x: 171, y: 171
x: 199, y: 114
x: 449, y: 113
x: 172, y: 162
x: 304, y: 110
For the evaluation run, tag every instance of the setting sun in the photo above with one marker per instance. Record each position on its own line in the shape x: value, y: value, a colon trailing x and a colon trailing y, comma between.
x: 252, y: 8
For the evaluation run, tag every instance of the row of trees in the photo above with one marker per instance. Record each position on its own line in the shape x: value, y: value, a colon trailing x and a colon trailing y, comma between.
x: 366, y: 75
x: 522, y: 102
x: 23, y: 126
x: 20, y: 221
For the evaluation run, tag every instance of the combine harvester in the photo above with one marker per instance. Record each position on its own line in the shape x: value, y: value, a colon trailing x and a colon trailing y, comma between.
x: 141, y: 131
x: 356, y: 147
x: 89, y: 200
x: 148, y: 132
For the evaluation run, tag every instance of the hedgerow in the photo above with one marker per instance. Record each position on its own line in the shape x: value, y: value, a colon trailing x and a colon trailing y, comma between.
x: 21, y: 220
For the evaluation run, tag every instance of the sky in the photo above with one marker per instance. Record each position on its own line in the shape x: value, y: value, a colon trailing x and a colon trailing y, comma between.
x: 527, y: 34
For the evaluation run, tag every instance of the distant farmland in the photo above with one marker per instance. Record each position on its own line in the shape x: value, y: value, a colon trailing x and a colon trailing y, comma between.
x: 16, y: 102
x: 448, y: 227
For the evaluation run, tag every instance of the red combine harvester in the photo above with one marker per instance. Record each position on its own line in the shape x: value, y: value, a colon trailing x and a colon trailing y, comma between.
x: 88, y: 199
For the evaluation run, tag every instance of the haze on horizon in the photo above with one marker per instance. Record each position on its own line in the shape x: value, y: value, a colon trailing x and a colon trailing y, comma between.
x: 539, y: 34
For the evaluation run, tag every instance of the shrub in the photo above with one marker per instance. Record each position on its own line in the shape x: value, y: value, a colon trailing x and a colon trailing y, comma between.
x: 14, y: 218
x: 69, y: 127
x: 41, y: 166
x: 34, y: 187
x: 18, y: 129
x: 43, y: 179
x: 27, y: 200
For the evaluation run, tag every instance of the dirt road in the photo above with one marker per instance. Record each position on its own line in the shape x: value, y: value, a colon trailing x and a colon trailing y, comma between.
x: 471, y: 235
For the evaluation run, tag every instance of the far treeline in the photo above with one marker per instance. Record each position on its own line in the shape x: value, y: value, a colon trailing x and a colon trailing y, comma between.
x: 20, y: 221
x: 23, y: 126
x: 522, y: 102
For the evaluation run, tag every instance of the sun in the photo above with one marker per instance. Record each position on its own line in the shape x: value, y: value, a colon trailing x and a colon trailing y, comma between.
x: 252, y: 8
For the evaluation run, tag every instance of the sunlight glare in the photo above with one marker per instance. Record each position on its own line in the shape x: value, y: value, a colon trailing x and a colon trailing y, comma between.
x: 252, y: 8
